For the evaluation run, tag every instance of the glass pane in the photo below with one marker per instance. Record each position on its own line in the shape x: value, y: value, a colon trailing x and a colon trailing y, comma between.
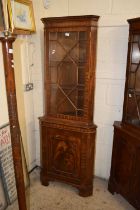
x: 81, y: 75
x: 72, y: 94
x: 53, y: 74
x: 133, y: 108
x: 80, y: 103
x: 67, y: 64
x: 79, y: 52
x: 53, y: 97
x: 82, y: 51
x: 68, y: 40
x: 135, y: 53
x: 134, y: 67
x: 53, y: 36
x: 137, y: 85
x: 57, y: 53
x: 67, y: 73
x: 133, y: 99
x: 82, y: 35
x: 132, y: 78
x: 136, y: 38
x: 66, y: 109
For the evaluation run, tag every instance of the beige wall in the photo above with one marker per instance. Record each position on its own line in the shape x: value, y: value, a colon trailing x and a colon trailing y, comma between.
x: 20, y: 94
x: 24, y: 99
x: 3, y: 101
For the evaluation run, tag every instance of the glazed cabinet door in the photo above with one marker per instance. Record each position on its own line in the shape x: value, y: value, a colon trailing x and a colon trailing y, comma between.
x: 132, y: 93
x: 63, y: 153
x: 67, y: 72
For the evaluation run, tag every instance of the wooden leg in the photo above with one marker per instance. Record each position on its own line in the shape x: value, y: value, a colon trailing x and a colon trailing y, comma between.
x: 111, y: 188
x: 46, y: 183
x: 43, y: 179
x: 86, y: 191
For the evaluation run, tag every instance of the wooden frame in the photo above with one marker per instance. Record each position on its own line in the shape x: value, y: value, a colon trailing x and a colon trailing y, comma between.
x: 21, y: 16
x: 13, y: 119
x: 2, y: 23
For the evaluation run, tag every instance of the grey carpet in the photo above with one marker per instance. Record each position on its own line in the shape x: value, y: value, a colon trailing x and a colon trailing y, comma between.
x: 58, y: 196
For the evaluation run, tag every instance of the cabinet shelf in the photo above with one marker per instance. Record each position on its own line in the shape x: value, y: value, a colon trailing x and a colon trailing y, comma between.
x: 68, y: 87
x: 58, y: 63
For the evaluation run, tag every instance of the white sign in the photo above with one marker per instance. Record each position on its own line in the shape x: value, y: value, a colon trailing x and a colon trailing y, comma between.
x: 6, y: 161
x: 3, y: 203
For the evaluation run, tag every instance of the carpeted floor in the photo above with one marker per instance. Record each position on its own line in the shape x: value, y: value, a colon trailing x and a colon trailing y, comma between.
x: 58, y: 196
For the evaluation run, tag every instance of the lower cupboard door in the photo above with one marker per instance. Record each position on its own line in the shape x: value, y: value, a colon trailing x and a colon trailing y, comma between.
x: 64, y: 153
x: 136, y: 180
x: 123, y: 165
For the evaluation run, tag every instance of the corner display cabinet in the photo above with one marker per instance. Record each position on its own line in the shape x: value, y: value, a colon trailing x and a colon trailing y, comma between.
x: 67, y: 129
x: 125, y: 169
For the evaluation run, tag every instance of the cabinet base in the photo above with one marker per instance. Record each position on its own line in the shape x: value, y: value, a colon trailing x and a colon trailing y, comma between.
x: 84, y: 191
x: 125, y: 169
x: 111, y: 188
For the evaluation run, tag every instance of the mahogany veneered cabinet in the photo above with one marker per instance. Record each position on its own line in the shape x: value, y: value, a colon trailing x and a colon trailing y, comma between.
x: 67, y: 129
x: 125, y: 169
